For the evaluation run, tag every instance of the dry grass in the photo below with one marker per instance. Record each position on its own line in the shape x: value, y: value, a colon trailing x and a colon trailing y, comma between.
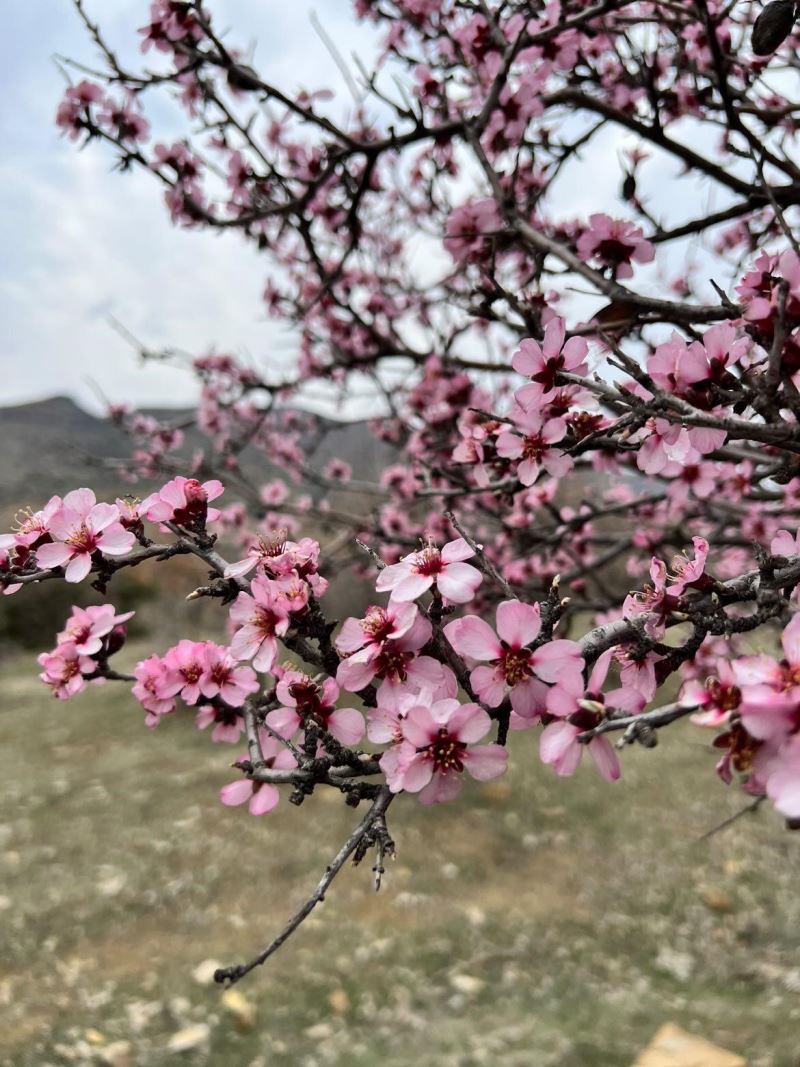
x: 541, y: 922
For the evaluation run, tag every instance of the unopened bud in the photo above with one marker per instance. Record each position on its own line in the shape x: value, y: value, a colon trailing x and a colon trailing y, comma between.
x: 773, y: 26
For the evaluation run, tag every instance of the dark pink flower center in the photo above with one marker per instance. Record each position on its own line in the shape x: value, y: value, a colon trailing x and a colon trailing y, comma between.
x: 446, y: 752
x: 429, y: 562
x: 614, y: 251
x: 516, y: 665
x: 534, y: 447
x: 392, y: 663
x: 377, y: 625
x: 82, y: 539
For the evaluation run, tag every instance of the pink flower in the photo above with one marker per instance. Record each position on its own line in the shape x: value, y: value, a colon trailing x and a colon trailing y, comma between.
x: 188, y: 660
x: 615, y: 243
x: 514, y: 668
x: 690, y: 572
x: 783, y: 781
x: 415, y: 574
x: 260, y: 617
x: 435, y: 750
x: 225, y: 678
x: 87, y: 627
x: 386, y: 644
x: 559, y: 744
x: 531, y: 443
x: 260, y: 797
x: 156, y: 686
x: 542, y: 364
x: 228, y: 722
x: 304, y: 701
x: 65, y: 670
x: 653, y: 601
x: 79, y: 528
x: 718, y: 697
x: 183, y: 501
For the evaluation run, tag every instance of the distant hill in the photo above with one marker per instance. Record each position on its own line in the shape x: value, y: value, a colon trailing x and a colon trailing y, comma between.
x: 52, y: 446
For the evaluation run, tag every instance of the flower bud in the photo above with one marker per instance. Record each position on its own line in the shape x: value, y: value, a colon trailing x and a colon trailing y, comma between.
x: 773, y: 26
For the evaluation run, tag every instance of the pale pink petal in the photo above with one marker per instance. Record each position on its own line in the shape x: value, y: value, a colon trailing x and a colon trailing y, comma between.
x: 78, y: 567
x: 236, y: 793
x: 459, y: 582
x: 411, y: 587
x: 489, y: 684
x: 346, y: 725
x: 552, y: 659
x: 80, y: 500
x: 116, y: 541
x: 457, y: 551
x: 101, y: 516
x: 442, y: 788
x: 264, y: 799
x: 517, y: 624
x: 486, y: 762
x: 417, y: 773
x: 557, y: 745
x: 474, y: 638
x: 605, y: 758
x: 53, y: 555
x: 469, y: 723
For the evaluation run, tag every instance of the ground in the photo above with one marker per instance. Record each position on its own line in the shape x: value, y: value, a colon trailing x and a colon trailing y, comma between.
x: 541, y: 922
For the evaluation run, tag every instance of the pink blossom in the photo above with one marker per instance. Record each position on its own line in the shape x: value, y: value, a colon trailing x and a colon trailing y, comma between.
x: 259, y: 618
x: 559, y: 744
x: 304, y: 701
x: 416, y: 573
x: 435, y: 750
x: 386, y: 643
x: 79, y: 528
x: 615, y: 243
x: 65, y: 670
x: 157, y: 684
x: 532, y: 444
x: 183, y: 501
x: 260, y: 797
x: 690, y: 572
x: 542, y: 363
x: 188, y: 660
x: 225, y: 678
x: 514, y: 668
x: 227, y: 721
x: 87, y: 627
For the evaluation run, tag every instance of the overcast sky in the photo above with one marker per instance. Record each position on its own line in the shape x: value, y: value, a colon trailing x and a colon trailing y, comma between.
x: 82, y: 243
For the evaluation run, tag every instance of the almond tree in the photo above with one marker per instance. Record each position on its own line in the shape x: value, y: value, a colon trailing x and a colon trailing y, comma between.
x: 597, y: 489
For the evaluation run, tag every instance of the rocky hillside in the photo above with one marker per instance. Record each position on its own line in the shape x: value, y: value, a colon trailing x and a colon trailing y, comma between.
x: 53, y: 445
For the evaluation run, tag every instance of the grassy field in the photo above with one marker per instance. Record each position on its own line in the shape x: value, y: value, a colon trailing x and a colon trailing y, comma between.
x: 542, y: 922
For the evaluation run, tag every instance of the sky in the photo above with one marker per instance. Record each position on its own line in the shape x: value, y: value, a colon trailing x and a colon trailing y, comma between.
x: 82, y: 244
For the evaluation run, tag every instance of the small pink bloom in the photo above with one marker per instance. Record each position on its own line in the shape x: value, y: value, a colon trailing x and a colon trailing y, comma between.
x: 79, y: 528
x: 614, y: 243
x: 514, y: 669
x: 87, y: 627
x: 259, y: 617
x: 542, y: 363
x: 304, y: 701
x: 532, y: 444
x: 65, y: 670
x: 260, y: 797
x: 156, y: 686
x: 436, y: 749
x: 183, y: 501
x: 415, y: 574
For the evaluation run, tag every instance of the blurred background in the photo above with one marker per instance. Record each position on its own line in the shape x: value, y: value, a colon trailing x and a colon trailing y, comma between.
x: 542, y: 922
